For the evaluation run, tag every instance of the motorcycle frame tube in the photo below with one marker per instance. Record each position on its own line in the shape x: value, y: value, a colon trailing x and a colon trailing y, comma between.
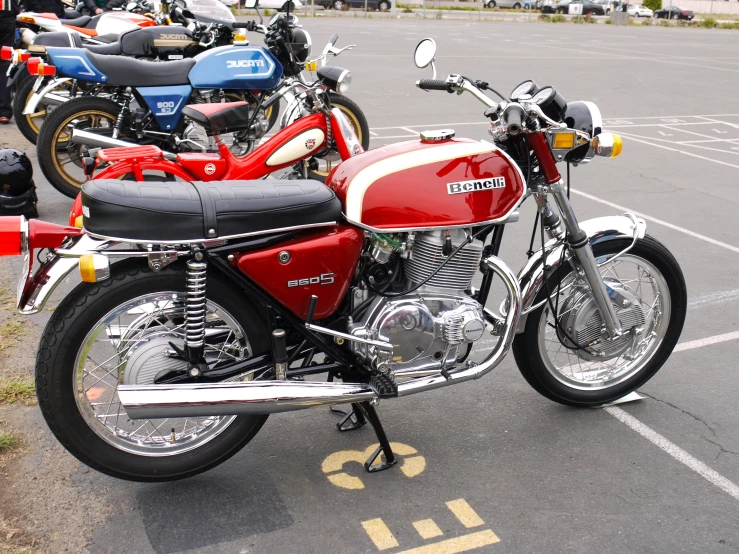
x: 600, y: 229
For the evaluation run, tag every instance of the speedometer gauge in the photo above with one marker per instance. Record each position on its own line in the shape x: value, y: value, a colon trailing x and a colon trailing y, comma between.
x: 551, y: 103
x: 527, y: 87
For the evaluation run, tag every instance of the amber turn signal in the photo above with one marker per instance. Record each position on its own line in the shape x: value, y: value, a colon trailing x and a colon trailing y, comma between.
x: 607, y: 145
x: 94, y: 268
x: 564, y: 141
x: 311, y: 66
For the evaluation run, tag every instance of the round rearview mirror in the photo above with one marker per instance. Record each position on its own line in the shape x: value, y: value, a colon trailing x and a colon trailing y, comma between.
x: 425, y: 52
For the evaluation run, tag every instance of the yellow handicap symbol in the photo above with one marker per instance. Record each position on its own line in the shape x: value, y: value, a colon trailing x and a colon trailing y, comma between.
x: 333, y: 465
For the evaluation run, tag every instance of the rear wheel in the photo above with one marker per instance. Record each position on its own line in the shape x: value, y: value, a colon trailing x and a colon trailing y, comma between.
x: 115, y: 332
x: 28, y: 125
x: 338, y: 5
x: 491, y: 4
x: 59, y: 158
x: 675, y: 16
x: 650, y: 284
x: 383, y: 6
x: 516, y: 6
x: 357, y: 120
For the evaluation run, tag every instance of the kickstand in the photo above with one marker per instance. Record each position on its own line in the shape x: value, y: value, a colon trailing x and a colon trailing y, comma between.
x: 352, y: 420
x: 389, y: 458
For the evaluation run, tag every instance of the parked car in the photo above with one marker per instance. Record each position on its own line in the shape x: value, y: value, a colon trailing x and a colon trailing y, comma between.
x: 515, y: 4
x: 280, y: 5
x: 588, y: 7
x: 381, y: 5
x: 607, y: 5
x: 673, y: 12
x: 532, y: 4
x: 636, y: 10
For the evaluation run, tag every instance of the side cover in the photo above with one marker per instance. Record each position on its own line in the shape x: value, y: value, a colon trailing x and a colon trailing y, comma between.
x: 320, y: 263
x: 236, y: 68
x: 166, y: 103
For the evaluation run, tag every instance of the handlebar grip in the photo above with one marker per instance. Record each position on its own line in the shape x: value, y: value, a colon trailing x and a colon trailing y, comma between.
x: 242, y: 25
x: 514, y: 117
x: 433, y: 84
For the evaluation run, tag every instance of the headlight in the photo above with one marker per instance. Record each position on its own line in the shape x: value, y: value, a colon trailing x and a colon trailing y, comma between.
x: 585, y: 117
x: 336, y: 78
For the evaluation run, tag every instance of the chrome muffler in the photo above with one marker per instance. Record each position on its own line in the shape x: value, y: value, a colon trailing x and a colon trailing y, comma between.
x: 94, y: 140
x: 269, y: 397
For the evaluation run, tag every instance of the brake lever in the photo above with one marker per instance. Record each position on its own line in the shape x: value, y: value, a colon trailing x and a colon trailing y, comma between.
x: 536, y: 109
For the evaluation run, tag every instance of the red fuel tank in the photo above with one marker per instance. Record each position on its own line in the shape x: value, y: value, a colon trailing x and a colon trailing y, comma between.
x: 321, y: 262
x: 417, y: 185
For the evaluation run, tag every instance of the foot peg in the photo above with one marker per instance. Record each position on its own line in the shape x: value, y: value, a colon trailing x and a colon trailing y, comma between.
x: 384, y: 384
x: 279, y: 354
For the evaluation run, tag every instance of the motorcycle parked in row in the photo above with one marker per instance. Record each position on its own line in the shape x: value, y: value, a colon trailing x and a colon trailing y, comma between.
x: 147, y: 104
x: 35, y: 99
x: 228, y: 293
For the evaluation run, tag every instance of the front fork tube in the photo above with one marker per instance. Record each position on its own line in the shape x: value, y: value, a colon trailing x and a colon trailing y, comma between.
x: 580, y: 245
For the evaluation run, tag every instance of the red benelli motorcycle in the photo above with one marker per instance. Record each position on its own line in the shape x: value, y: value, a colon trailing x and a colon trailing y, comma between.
x: 166, y: 363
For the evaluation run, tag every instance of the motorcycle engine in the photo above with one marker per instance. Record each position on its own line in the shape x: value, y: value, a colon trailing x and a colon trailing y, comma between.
x: 430, y: 328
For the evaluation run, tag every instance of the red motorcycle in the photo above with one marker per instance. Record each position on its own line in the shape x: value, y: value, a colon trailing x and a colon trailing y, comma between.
x: 326, y: 132
x: 230, y: 293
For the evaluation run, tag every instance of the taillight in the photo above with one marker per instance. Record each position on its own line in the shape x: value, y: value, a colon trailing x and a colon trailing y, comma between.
x: 45, y: 70
x: 6, y: 53
x: 32, y: 65
x: 13, y: 231
x: 25, y: 56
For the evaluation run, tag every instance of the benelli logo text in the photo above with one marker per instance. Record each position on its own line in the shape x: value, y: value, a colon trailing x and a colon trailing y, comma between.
x: 475, y: 186
x: 323, y: 279
x: 233, y: 64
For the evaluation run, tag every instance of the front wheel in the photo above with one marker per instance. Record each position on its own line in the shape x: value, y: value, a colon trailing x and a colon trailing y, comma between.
x: 328, y: 160
x: 121, y: 331
x: 675, y: 16
x: 383, y: 6
x: 571, y: 361
x: 516, y: 6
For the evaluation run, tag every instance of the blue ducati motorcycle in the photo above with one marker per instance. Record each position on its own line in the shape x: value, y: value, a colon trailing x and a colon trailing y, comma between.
x: 148, y: 99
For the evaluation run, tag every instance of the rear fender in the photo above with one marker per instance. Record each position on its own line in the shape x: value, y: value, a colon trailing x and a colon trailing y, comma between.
x: 37, y: 288
x: 137, y: 167
x: 600, y: 229
x: 43, y: 96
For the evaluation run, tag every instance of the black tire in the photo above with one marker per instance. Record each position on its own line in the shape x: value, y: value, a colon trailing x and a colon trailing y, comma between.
x: 338, y: 5
x: 516, y: 6
x: 358, y: 120
x: 675, y: 16
x: 383, y: 6
x: 48, y: 150
x: 25, y: 123
x: 526, y: 346
x: 491, y: 4
x: 286, y: 5
x: 56, y: 357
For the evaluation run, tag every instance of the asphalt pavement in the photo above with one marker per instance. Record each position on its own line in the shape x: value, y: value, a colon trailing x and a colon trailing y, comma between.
x: 491, y: 466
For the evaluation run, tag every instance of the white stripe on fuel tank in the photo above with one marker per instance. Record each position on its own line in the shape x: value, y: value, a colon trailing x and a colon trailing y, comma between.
x: 296, y: 149
x: 367, y: 176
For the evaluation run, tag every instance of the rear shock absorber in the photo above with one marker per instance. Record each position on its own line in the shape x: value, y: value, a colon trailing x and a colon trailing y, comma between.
x: 195, y: 310
x: 121, y: 119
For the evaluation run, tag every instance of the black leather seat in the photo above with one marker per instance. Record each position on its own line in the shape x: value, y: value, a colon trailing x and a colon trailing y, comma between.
x: 80, y: 21
x: 140, y: 73
x: 188, y: 212
x: 219, y: 117
x: 110, y: 49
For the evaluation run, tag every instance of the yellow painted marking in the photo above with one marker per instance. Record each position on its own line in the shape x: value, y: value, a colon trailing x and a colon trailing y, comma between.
x: 427, y: 529
x: 412, y: 466
x: 346, y: 481
x: 456, y: 545
x: 380, y: 534
x: 464, y: 513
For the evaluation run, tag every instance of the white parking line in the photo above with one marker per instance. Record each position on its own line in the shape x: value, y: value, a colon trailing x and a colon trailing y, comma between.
x: 658, y: 221
x: 713, y: 298
x: 676, y: 452
x: 716, y: 339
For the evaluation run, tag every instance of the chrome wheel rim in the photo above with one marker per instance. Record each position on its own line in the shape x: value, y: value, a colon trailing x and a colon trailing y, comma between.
x: 645, y: 282
x: 101, y: 365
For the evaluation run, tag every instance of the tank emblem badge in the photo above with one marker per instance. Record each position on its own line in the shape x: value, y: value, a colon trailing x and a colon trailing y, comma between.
x: 475, y: 186
x: 310, y: 144
x: 233, y: 64
x: 210, y: 169
x: 173, y: 36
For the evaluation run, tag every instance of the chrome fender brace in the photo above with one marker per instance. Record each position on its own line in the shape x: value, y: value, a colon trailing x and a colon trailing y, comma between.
x: 599, y: 229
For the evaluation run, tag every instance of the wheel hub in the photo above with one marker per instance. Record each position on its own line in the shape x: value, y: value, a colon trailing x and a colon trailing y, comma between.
x: 149, y: 358
x: 583, y: 322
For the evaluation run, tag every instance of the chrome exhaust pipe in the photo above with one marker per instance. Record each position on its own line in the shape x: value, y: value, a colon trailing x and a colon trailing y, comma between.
x: 269, y: 397
x: 243, y: 398
x: 94, y: 140
x: 50, y: 99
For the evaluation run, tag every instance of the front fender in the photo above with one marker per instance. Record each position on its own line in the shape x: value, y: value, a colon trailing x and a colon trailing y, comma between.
x: 599, y: 229
x: 44, y: 96
x: 37, y: 288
